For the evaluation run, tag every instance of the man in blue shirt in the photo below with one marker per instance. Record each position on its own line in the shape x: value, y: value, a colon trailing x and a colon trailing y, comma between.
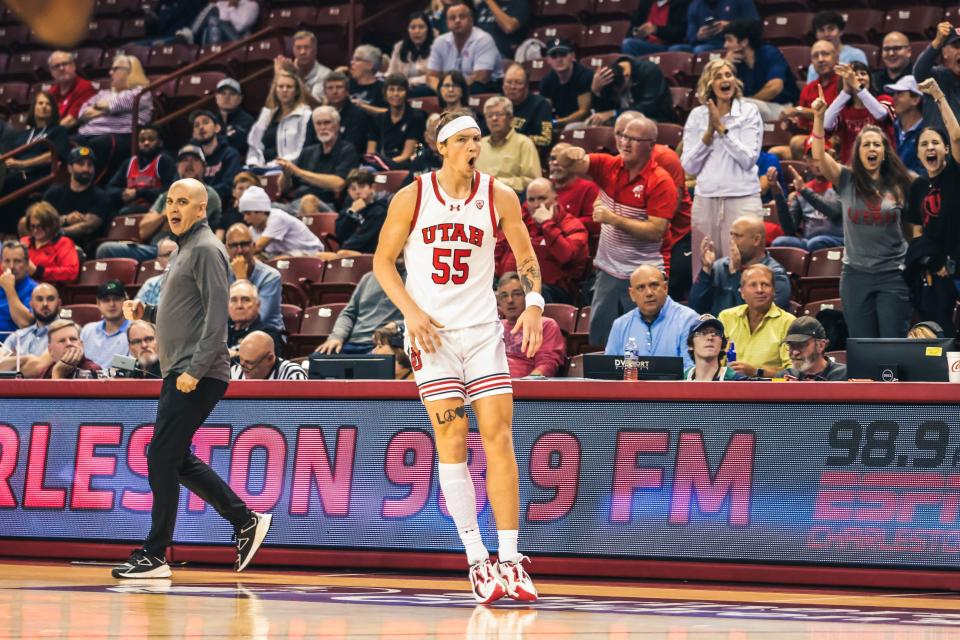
x: 32, y: 340
x: 16, y: 287
x: 706, y: 20
x: 767, y: 79
x: 908, y: 102
x: 658, y: 324
x: 264, y: 277
x: 107, y: 337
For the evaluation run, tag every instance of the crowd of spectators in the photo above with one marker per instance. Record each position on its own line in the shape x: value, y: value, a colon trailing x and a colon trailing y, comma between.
x: 666, y: 245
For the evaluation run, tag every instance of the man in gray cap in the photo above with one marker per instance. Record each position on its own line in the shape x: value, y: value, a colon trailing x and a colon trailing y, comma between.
x: 807, y: 343
x: 235, y: 121
x: 191, y: 163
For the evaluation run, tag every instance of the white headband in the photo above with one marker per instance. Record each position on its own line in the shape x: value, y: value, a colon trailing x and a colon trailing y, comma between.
x: 456, y: 126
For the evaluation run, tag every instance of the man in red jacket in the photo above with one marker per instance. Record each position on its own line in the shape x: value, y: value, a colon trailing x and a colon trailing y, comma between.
x: 559, y: 240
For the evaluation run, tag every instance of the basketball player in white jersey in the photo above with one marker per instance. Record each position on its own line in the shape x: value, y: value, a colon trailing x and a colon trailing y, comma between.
x: 446, y: 224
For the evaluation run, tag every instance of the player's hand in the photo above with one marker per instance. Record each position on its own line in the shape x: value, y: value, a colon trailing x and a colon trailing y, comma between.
x: 422, y: 331
x: 330, y: 345
x: 530, y: 323
x: 186, y: 383
x: 133, y: 309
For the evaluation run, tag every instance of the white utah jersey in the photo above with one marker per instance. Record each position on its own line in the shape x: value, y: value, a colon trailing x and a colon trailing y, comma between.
x: 449, y: 253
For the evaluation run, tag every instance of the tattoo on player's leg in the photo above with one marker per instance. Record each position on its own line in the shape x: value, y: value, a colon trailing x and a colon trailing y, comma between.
x: 450, y: 415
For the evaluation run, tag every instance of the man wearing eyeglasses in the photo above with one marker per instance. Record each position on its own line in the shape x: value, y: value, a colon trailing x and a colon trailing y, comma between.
x: 567, y: 84
x: 320, y: 171
x: 638, y: 199
x: 506, y: 154
x: 142, y: 338
x: 68, y: 90
x: 257, y: 361
x: 243, y: 309
x: 265, y: 278
x: 895, y: 57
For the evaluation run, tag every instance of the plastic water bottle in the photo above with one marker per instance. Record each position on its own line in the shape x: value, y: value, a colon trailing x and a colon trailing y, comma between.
x: 731, y: 353
x: 631, y: 361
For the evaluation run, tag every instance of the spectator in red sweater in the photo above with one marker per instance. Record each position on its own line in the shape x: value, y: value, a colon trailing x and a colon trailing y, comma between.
x: 53, y: 256
x: 574, y: 195
x: 69, y: 90
x: 559, y: 240
x: 551, y: 354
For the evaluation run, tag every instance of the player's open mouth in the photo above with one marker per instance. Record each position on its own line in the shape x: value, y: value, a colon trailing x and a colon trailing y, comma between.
x: 471, y: 162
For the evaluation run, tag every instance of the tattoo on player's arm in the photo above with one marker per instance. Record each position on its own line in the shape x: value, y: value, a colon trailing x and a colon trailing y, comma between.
x: 529, y: 272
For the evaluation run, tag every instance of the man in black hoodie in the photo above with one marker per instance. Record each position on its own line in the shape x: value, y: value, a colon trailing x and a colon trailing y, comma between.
x: 223, y: 161
x: 135, y: 186
x: 630, y: 83
x: 235, y: 120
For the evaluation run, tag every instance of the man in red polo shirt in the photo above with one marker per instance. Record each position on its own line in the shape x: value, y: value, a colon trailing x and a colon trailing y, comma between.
x: 638, y: 199
x: 69, y: 90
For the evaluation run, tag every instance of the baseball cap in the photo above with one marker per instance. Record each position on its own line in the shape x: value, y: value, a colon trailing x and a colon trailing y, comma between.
x: 560, y: 46
x: 802, y: 329
x: 203, y: 112
x: 707, y: 320
x: 953, y: 38
x: 81, y: 153
x: 111, y: 288
x: 229, y: 83
x: 906, y: 83
x: 192, y: 150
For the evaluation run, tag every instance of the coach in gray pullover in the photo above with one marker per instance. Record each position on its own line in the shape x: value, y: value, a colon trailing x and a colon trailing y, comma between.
x: 191, y: 319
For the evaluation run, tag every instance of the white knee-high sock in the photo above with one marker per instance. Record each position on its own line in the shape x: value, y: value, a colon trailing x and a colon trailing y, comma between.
x: 457, y: 487
x: 507, y: 549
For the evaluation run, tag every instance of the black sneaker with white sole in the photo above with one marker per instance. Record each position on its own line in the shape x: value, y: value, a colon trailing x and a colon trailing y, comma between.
x: 141, y: 565
x: 249, y: 538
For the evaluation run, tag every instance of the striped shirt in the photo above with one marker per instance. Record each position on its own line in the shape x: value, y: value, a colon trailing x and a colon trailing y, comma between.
x: 651, y: 193
x: 282, y: 370
x: 119, y: 116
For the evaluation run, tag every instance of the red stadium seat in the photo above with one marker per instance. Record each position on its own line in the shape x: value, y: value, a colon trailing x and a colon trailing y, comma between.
x: 788, y: 28
x: 93, y: 273
x: 324, y: 226
x: 593, y: 139
x: 572, y: 32
x: 825, y: 262
x: 104, y: 30
x: 140, y: 51
x: 4, y: 58
x: 124, y: 228
x: 792, y: 259
x: 536, y: 69
x: 427, y: 104
x: 17, y: 33
x: 677, y: 66
x: 81, y: 313
x: 389, y: 181
x: 338, y: 16
x: 291, y: 317
x: 682, y: 98
x: 606, y: 8
x: 315, y: 326
x: 117, y: 7
x: 134, y: 29
x: 198, y: 85
x: 813, y: 308
x: 774, y: 136
x: 301, y: 271
x: 90, y: 59
x: 701, y: 59
x: 565, y: 9
x: 564, y: 314
x: 15, y: 95
x: 168, y: 57
x: 863, y: 25
x: 669, y: 134
x: 292, y: 19
x: 822, y: 281
x: 606, y: 36
x: 340, y: 277
x: 228, y: 61
x: 147, y: 270
x: 595, y: 62
x: 28, y: 65
x: 798, y: 57
x: 583, y: 320
x: 261, y: 54
x: 477, y: 101
x: 873, y: 54
x: 917, y: 23
x: 916, y: 48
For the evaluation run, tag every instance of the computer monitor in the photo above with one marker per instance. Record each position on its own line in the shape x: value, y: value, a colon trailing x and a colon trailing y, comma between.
x: 350, y: 366
x: 903, y: 359
x: 603, y: 367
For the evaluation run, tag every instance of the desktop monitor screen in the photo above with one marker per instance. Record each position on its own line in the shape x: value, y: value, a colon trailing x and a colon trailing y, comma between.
x: 903, y: 359
x: 350, y: 366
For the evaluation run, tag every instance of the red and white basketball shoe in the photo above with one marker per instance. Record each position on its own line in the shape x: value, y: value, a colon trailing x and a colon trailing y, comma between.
x: 518, y: 581
x: 487, y: 584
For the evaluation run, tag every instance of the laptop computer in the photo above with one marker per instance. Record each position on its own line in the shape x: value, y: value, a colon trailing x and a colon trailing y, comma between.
x: 599, y: 366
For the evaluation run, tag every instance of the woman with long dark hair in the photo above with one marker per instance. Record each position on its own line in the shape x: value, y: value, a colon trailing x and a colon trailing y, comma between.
x: 453, y: 91
x: 873, y: 192
x: 934, y: 203
x: 409, y: 56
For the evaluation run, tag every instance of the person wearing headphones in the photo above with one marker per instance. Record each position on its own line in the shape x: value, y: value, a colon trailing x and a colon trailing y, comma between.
x: 388, y: 341
x: 707, y: 345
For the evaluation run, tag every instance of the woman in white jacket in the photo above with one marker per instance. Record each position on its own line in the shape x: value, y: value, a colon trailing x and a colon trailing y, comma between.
x: 721, y: 144
x: 284, y: 125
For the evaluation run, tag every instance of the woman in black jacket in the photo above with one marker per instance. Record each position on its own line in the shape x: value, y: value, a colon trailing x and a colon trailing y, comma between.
x: 655, y: 26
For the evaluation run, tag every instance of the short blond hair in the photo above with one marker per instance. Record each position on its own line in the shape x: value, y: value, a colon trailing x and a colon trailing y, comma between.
x: 710, y: 72
x: 499, y: 101
x: 62, y: 323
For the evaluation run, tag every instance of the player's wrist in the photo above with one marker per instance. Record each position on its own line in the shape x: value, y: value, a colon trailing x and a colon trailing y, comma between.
x: 534, y: 299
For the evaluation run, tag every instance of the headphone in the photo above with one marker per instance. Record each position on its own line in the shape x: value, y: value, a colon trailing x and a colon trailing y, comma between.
x: 395, y: 340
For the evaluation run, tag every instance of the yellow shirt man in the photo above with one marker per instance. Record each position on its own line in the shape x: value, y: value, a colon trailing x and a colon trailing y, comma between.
x: 763, y: 348
x: 514, y: 162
